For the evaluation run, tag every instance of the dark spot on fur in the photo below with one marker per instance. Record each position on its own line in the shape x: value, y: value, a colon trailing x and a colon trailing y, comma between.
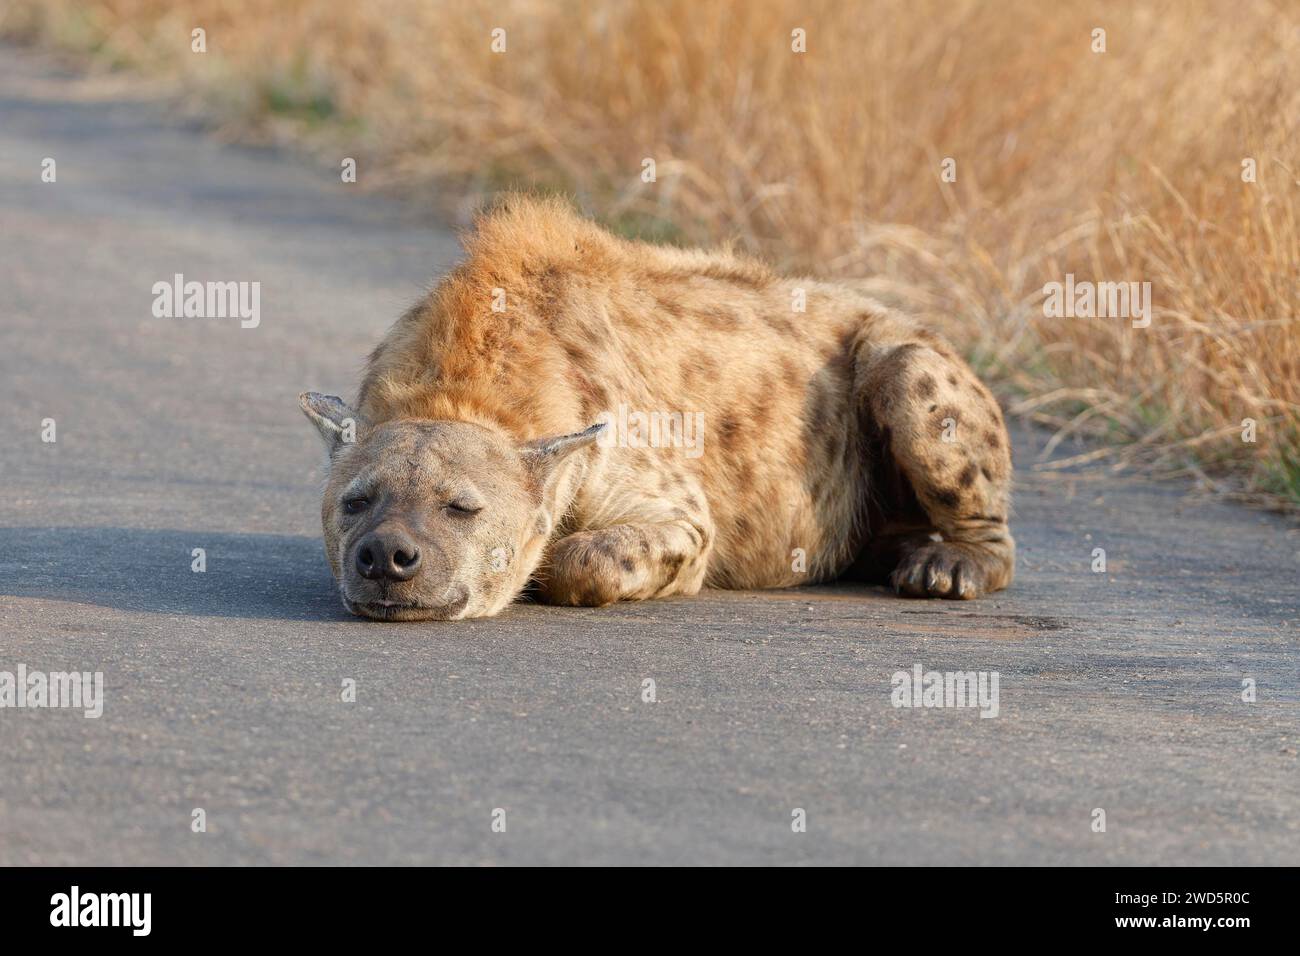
x: 789, y: 372
x: 993, y: 440
x: 967, y: 476
x: 578, y: 355
x: 946, y: 497
x: 628, y: 565
x: 762, y: 405
x: 729, y: 431
x: 780, y: 324
x: 925, y: 386
x: 700, y: 368
x: 985, y: 472
x: 594, y: 397
x: 722, y: 320
x: 670, y: 305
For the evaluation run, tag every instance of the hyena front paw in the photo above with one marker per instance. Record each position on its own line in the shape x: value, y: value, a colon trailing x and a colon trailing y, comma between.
x: 946, y: 569
x: 594, y: 568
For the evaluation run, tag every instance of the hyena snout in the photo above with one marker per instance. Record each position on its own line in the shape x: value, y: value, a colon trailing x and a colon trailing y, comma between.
x: 387, y: 554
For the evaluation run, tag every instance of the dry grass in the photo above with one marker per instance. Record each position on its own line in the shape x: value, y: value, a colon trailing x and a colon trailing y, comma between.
x: 1115, y: 166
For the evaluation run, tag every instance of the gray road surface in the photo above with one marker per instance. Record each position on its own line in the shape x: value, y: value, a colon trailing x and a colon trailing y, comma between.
x: 1120, y: 691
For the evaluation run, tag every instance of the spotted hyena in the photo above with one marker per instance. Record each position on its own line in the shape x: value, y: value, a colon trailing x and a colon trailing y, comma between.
x: 600, y: 420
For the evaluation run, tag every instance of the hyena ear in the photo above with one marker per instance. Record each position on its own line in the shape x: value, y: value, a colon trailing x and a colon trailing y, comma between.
x: 337, y: 423
x: 543, y: 455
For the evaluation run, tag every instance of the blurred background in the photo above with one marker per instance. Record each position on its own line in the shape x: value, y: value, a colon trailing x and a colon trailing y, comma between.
x: 1122, y: 165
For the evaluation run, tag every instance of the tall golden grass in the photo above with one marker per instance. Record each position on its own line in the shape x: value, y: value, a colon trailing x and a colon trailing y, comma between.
x: 1123, y: 165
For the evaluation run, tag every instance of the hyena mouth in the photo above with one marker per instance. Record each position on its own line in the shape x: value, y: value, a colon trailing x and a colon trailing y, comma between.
x: 409, y: 611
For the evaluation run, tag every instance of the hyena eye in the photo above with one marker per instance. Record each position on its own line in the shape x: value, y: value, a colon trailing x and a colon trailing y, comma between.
x: 354, y: 506
x: 464, y: 507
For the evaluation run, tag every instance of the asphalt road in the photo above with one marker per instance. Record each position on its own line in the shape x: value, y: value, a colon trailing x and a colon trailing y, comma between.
x: 1119, y: 690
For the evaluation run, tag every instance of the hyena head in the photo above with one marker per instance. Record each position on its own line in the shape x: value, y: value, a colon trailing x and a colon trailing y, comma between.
x: 434, y: 520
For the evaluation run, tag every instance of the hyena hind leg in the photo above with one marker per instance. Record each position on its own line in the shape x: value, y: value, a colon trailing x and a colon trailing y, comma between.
x: 944, y: 433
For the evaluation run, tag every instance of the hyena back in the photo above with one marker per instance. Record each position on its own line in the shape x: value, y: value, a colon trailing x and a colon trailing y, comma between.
x: 830, y: 435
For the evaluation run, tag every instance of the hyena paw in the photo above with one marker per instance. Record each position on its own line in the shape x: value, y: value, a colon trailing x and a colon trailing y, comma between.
x: 944, y: 569
x: 588, y: 569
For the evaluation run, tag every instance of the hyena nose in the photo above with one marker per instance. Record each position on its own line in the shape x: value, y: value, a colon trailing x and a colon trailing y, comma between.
x: 392, y: 555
